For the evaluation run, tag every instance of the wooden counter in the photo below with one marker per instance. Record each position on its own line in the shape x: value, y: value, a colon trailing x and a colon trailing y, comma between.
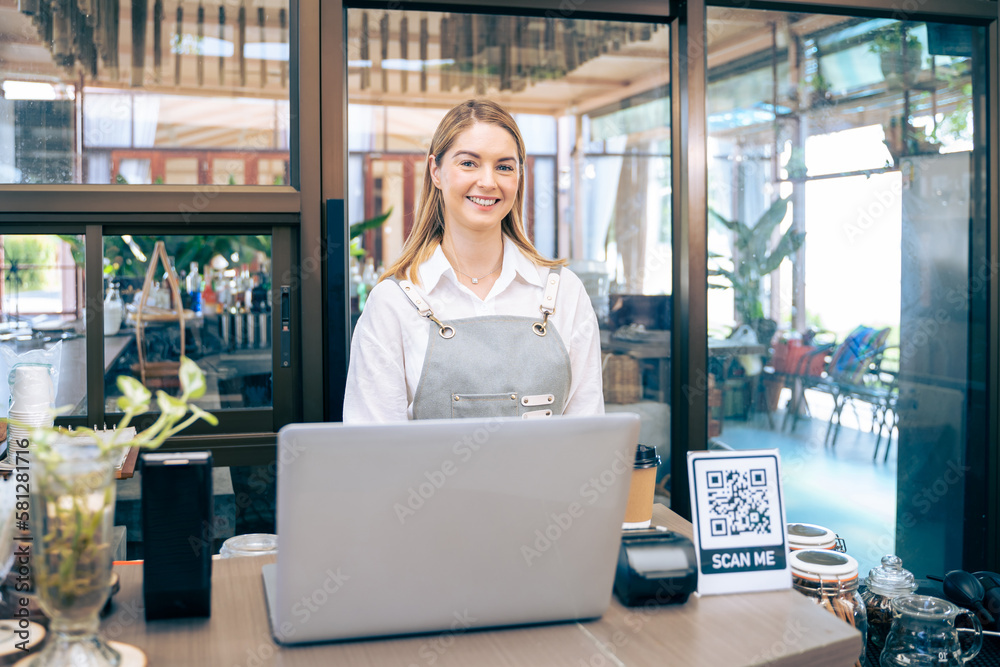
x: 777, y: 628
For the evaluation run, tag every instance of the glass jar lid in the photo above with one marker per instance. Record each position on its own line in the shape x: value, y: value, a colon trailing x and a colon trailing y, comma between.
x: 924, y: 607
x: 823, y: 565
x: 890, y: 579
x: 250, y: 544
x: 810, y: 536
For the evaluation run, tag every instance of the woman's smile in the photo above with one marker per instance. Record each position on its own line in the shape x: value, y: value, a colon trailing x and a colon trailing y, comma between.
x: 485, y: 202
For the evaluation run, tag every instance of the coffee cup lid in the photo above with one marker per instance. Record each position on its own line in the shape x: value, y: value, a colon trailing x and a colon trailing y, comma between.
x: 645, y: 457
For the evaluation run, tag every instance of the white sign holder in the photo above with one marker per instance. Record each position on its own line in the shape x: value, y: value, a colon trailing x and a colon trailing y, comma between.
x: 739, y: 521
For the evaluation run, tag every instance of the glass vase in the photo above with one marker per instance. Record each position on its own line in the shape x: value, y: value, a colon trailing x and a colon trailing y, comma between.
x: 72, y: 521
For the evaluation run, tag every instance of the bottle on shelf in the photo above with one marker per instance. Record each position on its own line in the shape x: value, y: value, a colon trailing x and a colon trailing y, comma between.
x: 167, y: 292
x: 209, y: 300
x: 368, y: 280
x: 356, y: 285
x: 192, y: 285
x: 113, y: 311
x: 246, y: 287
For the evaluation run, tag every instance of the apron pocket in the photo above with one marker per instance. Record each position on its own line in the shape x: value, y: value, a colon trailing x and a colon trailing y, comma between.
x: 483, y: 405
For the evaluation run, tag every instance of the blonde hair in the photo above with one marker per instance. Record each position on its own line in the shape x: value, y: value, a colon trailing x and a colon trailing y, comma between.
x: 428, y: 229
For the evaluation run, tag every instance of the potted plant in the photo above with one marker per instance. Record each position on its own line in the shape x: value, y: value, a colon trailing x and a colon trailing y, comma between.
x: 900, y: 55
x: 755, y: 258
x: 71, y: 513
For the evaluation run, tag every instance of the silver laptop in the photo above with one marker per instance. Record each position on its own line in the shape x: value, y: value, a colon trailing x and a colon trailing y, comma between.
x: 446, y: 525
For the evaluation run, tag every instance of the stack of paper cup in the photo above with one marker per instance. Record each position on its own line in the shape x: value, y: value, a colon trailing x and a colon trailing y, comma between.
x: 32, y: 397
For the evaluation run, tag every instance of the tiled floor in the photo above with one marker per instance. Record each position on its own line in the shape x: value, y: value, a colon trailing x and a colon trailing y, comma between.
x: 839, y: 487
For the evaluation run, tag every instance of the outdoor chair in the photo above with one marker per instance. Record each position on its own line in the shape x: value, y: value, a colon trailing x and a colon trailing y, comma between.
x: 805, y: 368
x: 791, y: 361
x: 874, y: 382
x: 844, y: 368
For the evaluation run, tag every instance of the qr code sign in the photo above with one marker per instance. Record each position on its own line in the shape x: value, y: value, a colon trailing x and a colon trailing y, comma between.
x: 738, y: 501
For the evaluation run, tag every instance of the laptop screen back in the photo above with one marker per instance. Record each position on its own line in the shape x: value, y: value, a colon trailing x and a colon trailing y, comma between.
x: 419, y: 526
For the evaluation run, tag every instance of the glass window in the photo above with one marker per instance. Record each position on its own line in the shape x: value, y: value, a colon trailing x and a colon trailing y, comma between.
x: 119, y: 91
x: 591, y: 100
x: 42, y: 321
x: 223, y: 283
x: 840, y: 255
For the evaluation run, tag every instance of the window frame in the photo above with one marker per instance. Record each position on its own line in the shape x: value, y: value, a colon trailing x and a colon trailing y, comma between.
x: 285, y: 212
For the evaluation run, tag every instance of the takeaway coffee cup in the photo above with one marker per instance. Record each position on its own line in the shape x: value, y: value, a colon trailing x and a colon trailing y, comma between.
x: 639, y: 511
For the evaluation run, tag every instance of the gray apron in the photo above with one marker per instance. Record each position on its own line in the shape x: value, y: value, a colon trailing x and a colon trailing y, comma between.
x: 494, y: 365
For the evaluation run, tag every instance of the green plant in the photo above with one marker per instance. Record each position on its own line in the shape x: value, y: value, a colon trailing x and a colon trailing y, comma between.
x: 900, y: 55
x: 135, y: 400
x: 891, y: 39
x: 359, y: 228
x: 754, y: 257
x: 73, y: 495
x: 24, y: 252
x: 202, y: 249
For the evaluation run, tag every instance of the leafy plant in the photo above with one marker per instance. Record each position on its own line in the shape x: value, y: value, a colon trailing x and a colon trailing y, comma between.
x: 74, y: 556
x: 900, y: 66
x: 754, y: 257
x: 202, y: 249
x: 359, y: 228
x: 891, y: 39
x: 135, y: 400
x: 23, y: 252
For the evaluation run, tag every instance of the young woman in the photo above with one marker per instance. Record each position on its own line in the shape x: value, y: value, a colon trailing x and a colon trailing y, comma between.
x: 471, y: 321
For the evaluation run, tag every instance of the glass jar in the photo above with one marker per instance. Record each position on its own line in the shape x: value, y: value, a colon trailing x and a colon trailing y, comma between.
x: 831, y: 579
x: 811, y: 536
x: 72, y: 516
x: 251, y: 544
x: 884, y: 583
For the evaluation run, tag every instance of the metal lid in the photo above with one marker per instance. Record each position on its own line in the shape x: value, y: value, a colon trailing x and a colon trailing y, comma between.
x: 890, y: 579
x: 807, y: 535
x: 823, y: 565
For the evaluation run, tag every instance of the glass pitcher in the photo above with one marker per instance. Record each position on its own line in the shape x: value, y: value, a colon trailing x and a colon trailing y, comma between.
x: 924, y: 634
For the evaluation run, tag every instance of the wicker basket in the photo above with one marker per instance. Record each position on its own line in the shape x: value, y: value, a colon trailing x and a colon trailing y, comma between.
x: 621, y: 379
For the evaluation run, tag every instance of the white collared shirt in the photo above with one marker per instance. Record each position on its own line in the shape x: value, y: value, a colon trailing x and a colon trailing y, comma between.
x: 390, y: 338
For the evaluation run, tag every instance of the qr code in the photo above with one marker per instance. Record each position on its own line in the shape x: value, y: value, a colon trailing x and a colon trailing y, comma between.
x: 738, y: 500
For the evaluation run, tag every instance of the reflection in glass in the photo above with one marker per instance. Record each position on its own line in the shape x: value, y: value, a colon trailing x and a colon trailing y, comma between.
x: 42, y: 317
x: 591, y: 99
x: 114, y: 91
x: 864, y: 129
x: 223, y: 288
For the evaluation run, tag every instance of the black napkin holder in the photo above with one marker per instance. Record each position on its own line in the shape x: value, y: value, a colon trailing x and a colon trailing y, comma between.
x: 177, y: 509
x: 655, y: 566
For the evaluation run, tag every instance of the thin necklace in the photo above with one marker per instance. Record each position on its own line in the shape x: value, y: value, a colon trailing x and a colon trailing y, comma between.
x: 475, y: 281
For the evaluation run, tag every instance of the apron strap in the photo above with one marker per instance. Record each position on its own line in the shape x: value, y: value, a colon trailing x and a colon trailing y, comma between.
x: 548, y: 300
x: 410, y: 290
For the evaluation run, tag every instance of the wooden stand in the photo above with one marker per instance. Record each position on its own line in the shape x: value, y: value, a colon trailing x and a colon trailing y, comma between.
x: 158, y: 373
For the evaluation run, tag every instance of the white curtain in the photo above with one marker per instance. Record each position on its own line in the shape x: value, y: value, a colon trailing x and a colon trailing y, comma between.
x: 118, y: 120
x: 601, y: 182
